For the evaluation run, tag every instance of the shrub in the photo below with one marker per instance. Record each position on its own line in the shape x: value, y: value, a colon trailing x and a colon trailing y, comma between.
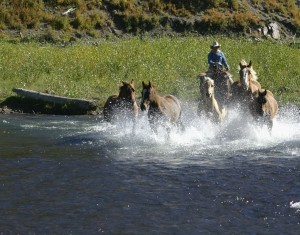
x: 215, y: 20
x: 77, y: 22
x: 243, y: 20
x: 233, y: 4
x: 60, y: 23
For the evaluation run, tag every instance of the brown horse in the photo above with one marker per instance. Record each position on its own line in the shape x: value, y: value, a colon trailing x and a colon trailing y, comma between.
x: 163, y: 110
x: 122, y: 105
x: 244, y: 89
x: 264, y: 107
x: 208, y: 102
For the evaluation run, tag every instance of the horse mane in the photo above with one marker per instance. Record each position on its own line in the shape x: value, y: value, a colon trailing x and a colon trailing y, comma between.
x: 253, y: 73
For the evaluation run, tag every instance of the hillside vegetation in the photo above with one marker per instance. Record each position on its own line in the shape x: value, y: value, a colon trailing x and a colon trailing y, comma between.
x: 64, y: 20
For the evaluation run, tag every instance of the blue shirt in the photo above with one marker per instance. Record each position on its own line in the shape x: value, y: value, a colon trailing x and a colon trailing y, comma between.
x: 218, y: 57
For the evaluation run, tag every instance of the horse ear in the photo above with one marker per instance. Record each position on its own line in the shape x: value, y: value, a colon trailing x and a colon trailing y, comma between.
x: 262, y: 93
x: 123, y: 82
x: 143, y: 83
x: 250, y: 64
x: 150, y: 84
x: 132, y: 83
x: 265, y: 92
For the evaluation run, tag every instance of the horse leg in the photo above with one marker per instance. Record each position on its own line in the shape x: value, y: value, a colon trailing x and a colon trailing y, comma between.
x: 223, y: 113
x: 270, y: 125
x: 181, y: 126
x: 229, y: 84
x: 200, y: 108
x: 135, y: 117
x: 168, y: 129
x: 134, y: 125
x: 153, y: 126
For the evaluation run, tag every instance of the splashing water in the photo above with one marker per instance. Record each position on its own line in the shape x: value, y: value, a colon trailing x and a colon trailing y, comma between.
x: 237, y: 135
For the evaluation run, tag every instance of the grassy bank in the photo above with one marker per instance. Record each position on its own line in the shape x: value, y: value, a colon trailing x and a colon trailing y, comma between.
x: 95, y: 71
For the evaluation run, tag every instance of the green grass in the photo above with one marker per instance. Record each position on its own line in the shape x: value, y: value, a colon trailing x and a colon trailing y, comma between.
x: 95, y: 71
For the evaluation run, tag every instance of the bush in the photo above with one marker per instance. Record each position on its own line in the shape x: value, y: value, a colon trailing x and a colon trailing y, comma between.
x: 61, y: 23
x: 215, y: 20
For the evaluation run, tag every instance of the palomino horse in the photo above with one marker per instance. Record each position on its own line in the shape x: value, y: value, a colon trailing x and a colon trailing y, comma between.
x: 163, y: 110
x: 123, y: 105
x: 208, y: 102
x: 244, y: 89
x: 222, y: 84
x: 264, y: 107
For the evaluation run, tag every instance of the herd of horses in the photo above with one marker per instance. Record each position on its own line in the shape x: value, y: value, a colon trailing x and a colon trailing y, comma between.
x: 216, y: 94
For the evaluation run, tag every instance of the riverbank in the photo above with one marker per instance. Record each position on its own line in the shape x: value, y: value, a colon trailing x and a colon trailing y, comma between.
x: 94, y: 71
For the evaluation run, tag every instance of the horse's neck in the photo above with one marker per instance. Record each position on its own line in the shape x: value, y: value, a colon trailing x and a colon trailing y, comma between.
x: 125, y: 101
x: 126, y: 98
x: 155, y: 99
x: 254, y: 85
x: 251, y: 87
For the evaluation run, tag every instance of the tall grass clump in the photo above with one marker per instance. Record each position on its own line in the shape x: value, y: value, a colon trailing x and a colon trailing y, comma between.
x: 96, y: 71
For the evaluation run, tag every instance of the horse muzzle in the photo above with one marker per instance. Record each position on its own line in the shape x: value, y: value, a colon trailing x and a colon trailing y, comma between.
x: 143, y: 107
x: 208, y: 95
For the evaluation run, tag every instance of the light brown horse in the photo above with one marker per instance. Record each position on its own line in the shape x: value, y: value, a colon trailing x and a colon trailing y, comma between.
x: 264, y: 108
x: 122, y: 105
x: 208, y: 102
x: 162, y: 110
x: 244, y: 89
x: 222, y: 83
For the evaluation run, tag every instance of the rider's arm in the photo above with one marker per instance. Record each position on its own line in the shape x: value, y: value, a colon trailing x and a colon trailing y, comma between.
x: 210, y: 58
x: 224, y: 61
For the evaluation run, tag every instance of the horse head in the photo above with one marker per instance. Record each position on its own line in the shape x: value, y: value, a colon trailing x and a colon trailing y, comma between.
x: 261, y: 98
x: 244, y: 73
x: 146, y: 95
x: 208, y: 87
x: 127, y: 91
x: 248, y: 76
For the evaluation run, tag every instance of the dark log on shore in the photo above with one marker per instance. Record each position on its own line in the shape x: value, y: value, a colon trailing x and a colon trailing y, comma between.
x: 80, y: 103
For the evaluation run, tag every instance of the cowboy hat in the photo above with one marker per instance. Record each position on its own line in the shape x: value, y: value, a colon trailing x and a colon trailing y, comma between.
x: 215, y: 44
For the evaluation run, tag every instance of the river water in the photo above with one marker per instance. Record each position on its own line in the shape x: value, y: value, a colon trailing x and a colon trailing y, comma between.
x: 80, y: 175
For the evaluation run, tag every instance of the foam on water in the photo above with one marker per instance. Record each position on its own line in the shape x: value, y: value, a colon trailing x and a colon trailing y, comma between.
x: 295, y: 205
x: 202, y: 139
x: 236, y: 134
x: 199, y: 130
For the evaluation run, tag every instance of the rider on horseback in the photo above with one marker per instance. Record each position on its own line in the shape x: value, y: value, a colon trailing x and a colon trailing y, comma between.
x: 223, y: 79
x: 216, y: 61
x: 216, y: 57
